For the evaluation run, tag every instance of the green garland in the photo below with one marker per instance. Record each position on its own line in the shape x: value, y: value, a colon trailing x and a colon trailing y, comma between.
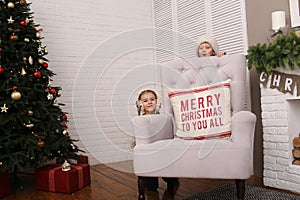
x: 282, y: 52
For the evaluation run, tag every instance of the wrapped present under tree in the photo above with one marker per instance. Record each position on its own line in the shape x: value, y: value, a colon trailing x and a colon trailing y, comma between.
x: 4, y: 185
x: 52, y: 178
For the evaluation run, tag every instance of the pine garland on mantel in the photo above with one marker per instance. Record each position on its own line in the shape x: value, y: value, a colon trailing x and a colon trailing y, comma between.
x: 283, y: 52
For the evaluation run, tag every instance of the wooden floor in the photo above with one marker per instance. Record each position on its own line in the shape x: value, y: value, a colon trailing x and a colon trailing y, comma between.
x: 111, y: 184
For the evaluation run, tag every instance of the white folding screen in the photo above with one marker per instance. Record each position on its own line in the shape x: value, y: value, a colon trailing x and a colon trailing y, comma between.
x: 224, y: 20
x: 186, y: 20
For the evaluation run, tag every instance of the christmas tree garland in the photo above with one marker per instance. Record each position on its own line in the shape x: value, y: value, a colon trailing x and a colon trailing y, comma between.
x: 283, y: 52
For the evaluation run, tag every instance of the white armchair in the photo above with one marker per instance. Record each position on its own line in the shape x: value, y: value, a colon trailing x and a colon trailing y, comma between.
x: 159, y: 154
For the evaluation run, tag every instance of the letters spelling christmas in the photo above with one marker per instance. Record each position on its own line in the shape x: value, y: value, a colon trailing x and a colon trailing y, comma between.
x: 201, y: 112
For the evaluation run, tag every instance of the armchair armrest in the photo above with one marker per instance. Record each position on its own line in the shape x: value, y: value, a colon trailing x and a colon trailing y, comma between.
x: 243, y: 125
x: 150, y: 128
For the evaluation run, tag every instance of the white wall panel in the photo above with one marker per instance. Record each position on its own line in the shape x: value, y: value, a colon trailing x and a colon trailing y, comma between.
x: 73, y: 32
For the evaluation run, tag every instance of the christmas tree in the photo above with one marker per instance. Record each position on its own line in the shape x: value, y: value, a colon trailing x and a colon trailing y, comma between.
x: 33, y: 127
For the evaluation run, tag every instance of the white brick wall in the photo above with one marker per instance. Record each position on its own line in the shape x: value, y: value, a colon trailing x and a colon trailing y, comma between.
x: 277, y: 139
x: 74, y: 31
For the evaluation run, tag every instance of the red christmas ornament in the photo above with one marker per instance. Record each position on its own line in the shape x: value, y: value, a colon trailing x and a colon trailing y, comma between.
x: 53, y: 91
x: 1, y: 70
x: 13, y: 37
x: 64, y: 124
x: 45, y: 65
x: 37, y: 74
x: 64, y: 117
x: 47, y: 90
x: 41, y: 143
x: 23, y: 23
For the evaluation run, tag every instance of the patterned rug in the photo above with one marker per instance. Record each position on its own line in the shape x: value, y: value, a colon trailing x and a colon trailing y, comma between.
x: 228, y: 192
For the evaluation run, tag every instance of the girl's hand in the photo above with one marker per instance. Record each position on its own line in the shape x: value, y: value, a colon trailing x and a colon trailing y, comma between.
x: 221, y: 53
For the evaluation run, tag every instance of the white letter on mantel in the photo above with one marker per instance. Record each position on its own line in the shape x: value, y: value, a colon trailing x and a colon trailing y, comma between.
x: 263, y: 76
x: 276, y: 80
x: 288, y: 83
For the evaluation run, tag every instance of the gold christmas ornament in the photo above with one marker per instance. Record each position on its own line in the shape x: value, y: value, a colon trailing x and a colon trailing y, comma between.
x: 46, y: 51
x: 30, y: 113
x: 65, y: 132
x: 41, y: 61
x: 15, y: 95
x: 41, y: 144
x: 10, y: 5
x: 38, y: 35
x: 22, y: 2
x: 14, y: 37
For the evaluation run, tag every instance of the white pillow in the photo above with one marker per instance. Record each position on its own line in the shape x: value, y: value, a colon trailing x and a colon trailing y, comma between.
x: 203, y: 112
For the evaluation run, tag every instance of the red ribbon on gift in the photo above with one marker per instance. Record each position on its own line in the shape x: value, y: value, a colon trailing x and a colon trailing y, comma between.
x: 80, y: 175
x: 52, y: 178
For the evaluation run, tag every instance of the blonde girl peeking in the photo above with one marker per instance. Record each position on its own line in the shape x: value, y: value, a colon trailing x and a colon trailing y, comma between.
x: 148, y: 104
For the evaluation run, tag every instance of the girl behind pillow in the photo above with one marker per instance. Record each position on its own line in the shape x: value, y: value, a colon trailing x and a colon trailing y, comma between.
x: 208, y: 46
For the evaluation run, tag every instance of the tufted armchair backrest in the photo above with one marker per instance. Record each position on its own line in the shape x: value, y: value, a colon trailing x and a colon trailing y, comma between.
x: 200, y: 71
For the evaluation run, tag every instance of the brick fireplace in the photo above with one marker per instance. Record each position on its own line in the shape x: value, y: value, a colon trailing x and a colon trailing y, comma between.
x: 281, y: 123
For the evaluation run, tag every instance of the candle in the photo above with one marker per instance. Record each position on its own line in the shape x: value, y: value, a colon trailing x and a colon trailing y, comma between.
x: 278, y: 20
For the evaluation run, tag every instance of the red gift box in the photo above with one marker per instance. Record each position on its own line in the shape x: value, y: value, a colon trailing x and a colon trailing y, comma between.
x: 4, y: 182
x: 52, y: 178
x: 83, y: 159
